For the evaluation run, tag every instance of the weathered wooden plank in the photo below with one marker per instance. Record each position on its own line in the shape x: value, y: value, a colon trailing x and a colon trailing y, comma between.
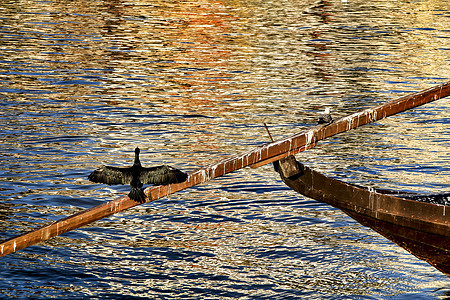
x: 257, y: 156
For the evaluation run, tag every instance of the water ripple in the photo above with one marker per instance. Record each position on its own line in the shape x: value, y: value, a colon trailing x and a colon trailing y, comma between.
x: 190, y: 83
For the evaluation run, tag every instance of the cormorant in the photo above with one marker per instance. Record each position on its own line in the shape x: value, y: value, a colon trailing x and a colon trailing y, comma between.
x: 136, y: 176
x: 325, y: 117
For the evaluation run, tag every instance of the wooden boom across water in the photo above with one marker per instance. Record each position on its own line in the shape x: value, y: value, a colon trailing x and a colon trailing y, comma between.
x: 256, y: 157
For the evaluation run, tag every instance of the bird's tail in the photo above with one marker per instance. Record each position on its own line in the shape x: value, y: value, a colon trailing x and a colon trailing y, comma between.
x: 137, y: 194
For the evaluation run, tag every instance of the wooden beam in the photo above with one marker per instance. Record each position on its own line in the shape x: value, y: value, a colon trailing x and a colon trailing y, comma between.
x: 257, y: 156
x: 282, y: 155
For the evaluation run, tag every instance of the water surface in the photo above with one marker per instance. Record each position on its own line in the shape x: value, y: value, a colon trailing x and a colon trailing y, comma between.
x: 82, y: 83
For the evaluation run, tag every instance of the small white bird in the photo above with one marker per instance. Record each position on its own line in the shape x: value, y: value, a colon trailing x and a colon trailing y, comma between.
x: 325, y: 117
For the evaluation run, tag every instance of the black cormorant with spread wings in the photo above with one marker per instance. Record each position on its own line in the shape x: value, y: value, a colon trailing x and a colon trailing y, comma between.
x: 137, y: 176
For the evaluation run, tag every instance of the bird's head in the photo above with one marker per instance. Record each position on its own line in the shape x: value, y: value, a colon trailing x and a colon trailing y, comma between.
x: 136, y: 156
x: 327, y: 110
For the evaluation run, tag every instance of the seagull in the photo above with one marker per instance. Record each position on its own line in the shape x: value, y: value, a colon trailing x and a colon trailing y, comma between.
x: 136, y: 176
x: 325, y: 117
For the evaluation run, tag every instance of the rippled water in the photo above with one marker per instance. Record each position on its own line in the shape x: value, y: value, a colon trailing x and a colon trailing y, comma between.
x: 84, y: 82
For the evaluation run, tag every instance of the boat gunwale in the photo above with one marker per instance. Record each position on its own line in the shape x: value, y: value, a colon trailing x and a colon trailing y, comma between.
x: 372, y: 202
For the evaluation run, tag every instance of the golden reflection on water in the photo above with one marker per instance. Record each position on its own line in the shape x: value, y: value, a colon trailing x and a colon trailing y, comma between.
x: 190, y: 82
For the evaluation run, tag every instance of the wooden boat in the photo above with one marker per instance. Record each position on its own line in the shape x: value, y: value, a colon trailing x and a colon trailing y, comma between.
x: 256, y: 157
x: 407, y: 219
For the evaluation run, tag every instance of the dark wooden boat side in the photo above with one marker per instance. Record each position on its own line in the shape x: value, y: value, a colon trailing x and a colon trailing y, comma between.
x: 421, y: 228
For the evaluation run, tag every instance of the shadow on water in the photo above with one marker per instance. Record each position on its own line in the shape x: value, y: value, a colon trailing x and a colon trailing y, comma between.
x: 191, y: 82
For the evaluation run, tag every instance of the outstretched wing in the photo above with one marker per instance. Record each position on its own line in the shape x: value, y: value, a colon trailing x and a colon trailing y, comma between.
x: 161, y: 175
x: 111, y: 175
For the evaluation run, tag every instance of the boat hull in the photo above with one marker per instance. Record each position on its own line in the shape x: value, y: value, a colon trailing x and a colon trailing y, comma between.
x: 421, y: 228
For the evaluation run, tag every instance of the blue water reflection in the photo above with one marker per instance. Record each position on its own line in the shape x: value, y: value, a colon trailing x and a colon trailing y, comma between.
x: 83, y: 83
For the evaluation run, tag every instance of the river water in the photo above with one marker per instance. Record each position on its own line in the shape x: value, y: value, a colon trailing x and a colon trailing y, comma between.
x: 82, y: 83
